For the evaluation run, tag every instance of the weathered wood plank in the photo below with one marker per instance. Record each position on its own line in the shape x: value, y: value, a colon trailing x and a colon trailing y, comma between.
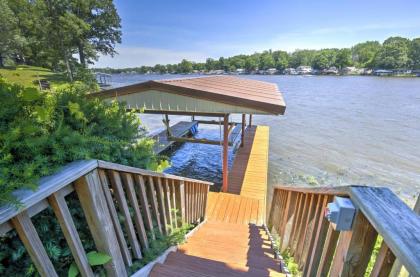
x: 328, y: 252
x: 138, y: 219
x: 394, y: 220
x: 339, y: 190
x: 142, y: 194
x: 30, y: 239
x: 384, y: 262
x: 173, y: 203
x: 92, y: 200
x: 354, y: 248
x: 161, y: 204
x: 62, y: 212
x: 311, y: 265
x: 47, y: 186
x: 116, y: 184
x: 311, y: 230
x: 309, y: 212
x: 154, y: 203
x: 167, y: 199
x: 181, y: 201
x: 288, y: 222
x: 144, y: 172
x: 114, y: 217
x: 301, y: 224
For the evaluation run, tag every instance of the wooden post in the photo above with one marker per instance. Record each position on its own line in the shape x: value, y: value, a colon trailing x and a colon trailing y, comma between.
x: 93, y: 202
x: 250, y: 120
x: 243, y: 129
x: 225, y: 151
x: 166, y: 122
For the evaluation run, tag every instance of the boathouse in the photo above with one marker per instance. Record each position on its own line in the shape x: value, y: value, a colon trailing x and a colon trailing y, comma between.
x: 329, y: 231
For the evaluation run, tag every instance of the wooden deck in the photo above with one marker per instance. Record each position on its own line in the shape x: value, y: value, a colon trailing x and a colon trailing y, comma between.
x: 247, y: 187
x: 180, y: 129
x: 222, y: 249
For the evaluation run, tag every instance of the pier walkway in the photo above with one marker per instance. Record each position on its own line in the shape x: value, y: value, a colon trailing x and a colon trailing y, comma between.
x: 245, y: 201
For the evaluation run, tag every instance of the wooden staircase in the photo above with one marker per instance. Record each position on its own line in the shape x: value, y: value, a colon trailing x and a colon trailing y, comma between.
x: 222, y: 249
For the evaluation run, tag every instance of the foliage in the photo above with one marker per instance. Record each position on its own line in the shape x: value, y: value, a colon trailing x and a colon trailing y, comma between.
x: 50, y: 33
x: 374, y: 255
x: 158, y: 246
x: 94, y: 258
x: 40, y: 132
x: 395, y: 53
x: 14, y: 259
x: 291, y: 263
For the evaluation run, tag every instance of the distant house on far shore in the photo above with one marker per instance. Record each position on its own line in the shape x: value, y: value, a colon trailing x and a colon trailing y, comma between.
x: 290, y: 71
x: 271, y: 71
x: 304, y: 70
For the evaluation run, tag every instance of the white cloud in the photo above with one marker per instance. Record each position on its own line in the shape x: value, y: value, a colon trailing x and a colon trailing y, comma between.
x: 138, y: 56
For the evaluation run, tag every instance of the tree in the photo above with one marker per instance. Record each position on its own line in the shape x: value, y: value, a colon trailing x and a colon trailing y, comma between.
x: 103, y: 30
x: 302, y: 57
x: 10, y: 37
x: 185, y: 66
x: 343, y: 58
x: 266, y: 61
x: 320, y: 61
x: 415, y: 53
x: 393, y: 54
x: 363, y: 54
x: 251, y: 63
x: 281, y: 59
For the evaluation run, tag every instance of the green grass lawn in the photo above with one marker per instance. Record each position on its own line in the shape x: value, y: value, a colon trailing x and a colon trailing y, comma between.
x: 26, y: 75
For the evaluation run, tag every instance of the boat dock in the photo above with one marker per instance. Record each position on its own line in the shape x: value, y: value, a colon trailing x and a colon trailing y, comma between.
x: 180, y: 129
x: 245, y: 200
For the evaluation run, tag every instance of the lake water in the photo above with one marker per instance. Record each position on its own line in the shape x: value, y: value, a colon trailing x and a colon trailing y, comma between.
x: 336, y: 131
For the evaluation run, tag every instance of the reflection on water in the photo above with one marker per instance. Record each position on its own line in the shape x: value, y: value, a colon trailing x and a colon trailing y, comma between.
x: 337, y: 130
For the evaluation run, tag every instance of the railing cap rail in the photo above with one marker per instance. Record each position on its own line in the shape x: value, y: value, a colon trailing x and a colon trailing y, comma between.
x: 68, y: 174
x: 388, y: 214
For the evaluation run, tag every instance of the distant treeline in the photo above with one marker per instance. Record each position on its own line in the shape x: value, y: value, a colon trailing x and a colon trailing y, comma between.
x: 393, y: 53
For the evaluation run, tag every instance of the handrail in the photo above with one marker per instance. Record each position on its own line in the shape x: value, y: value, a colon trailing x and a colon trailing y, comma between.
x: 150, y: 202
x: 297, y: 216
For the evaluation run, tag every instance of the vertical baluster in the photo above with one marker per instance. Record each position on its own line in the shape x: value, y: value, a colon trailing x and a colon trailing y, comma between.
x: 154, y: 203
x: 142, y: 194
x: 384, y: 262
x: 312, y: 263
x: 167, y: 196
x: 302, y: 216
x: 296, y: 220
x: 313, y: 219
x: 288, y: 220
x: 304, y: 229
x: 114, y: 217
x: 327, y: 252
x: 161, y: 205
x: 138, y: 219
x: 116, y: 184
x: 174, y: 206
x: 30, y: 239
x: 61, y: 211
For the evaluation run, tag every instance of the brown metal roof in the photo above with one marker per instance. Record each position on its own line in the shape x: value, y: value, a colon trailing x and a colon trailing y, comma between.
x: 230, y: 90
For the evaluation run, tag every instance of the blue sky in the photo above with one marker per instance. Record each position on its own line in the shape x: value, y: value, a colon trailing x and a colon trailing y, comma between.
x: 164, y: 31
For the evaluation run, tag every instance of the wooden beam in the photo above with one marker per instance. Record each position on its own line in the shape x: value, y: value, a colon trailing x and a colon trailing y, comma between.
x: 183, y: 113
x: 225, y: 151
x: 30, y: 239
x: 243, y: 129
x: 92, y: 199
x: 194, y: 140
x: 354, y: 248
x: 250, y: 120
x: 384, y: 262
x: 62, y: 212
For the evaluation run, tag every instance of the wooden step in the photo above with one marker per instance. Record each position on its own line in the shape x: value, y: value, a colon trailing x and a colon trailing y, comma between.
x: 164, y: 270
x: 216, y: 268
x: 258, y: 261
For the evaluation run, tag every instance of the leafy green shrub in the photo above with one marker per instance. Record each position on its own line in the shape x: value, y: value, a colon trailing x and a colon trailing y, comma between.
x: 41, y: 131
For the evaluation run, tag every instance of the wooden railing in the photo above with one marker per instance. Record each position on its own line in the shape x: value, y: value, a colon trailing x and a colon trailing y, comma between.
x: 297, y: 217
x: 149, y: 203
